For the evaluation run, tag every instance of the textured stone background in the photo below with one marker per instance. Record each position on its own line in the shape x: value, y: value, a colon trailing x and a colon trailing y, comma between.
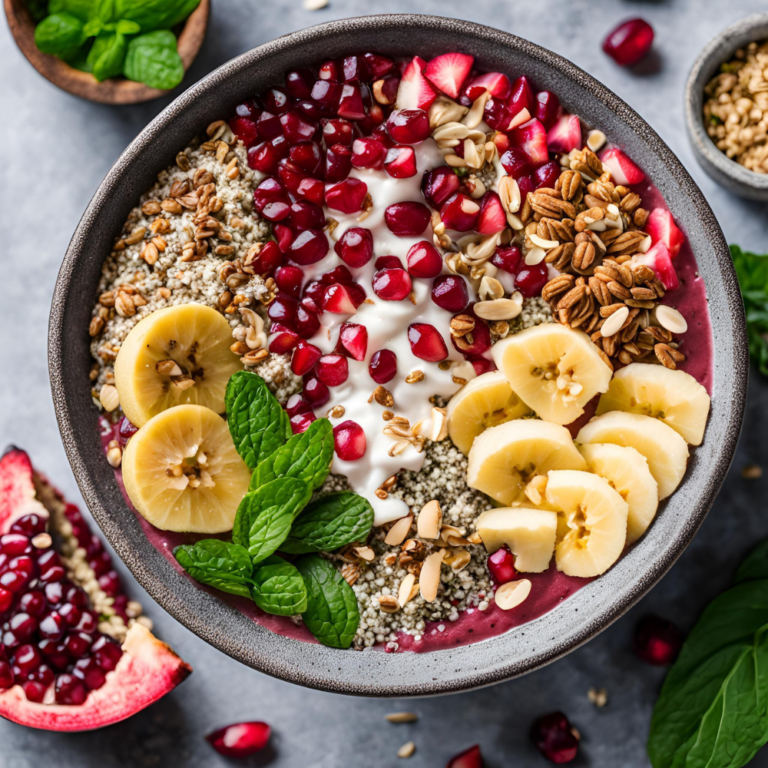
x: 54, y: 151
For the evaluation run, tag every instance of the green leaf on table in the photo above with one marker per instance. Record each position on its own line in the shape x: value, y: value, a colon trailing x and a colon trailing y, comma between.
x: 752, y: 271
x: 265, y: 516
x: 83, y: 9
x: 107, y: 55
x: 307, y: 456
x: 155, y: 14
x: 59, y: 34
x: 279, y: 588
x: 218, y: 564
x: 713, y: 707
x: 152, y: 59
x: 257, y: 422
x: 755, y: 565
x: 332, y: 615
x: 329, y: 523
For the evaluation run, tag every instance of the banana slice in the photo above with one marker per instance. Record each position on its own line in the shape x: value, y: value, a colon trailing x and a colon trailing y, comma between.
x: 483, y: 402
x: 593, y: 525
x: 176, y: 355
x: 674, y: 397
x: 528, y: 532
x: 182, y: 472
x: 664, y: 450
x: 504, y: 459
x: 554, y: 369
x: 627, y: 471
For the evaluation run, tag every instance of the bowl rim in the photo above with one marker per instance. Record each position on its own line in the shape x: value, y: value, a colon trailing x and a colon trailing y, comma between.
x: 407, y: 674
x: 711, y: 57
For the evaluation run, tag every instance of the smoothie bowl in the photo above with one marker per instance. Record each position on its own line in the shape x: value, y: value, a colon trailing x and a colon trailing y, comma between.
x: 398, y: 335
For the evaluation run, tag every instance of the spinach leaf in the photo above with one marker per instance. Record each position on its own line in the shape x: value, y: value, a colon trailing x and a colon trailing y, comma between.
x: 713, y: 707
x: 332, y: 615
x: 152, y: 59
x: 105, y: 10
x: 279, y: 588
x: 306, y: 456
x: 59, y: 34
x: 155, y: 14
x: 330, y: 523
x: 219, y: 564
x: 755, y: 565
x: 752, y: 271
x: 257, y: 422
x: 107, y: 55
x: 83, y: 9
x: 265, y: 516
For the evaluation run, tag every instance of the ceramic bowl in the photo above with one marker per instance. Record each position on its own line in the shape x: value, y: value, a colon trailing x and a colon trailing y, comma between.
x: 521, y: 650
x: 717, y: 164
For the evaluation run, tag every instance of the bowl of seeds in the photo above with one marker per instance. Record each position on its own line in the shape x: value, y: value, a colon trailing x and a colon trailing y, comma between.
x: 727, y: 108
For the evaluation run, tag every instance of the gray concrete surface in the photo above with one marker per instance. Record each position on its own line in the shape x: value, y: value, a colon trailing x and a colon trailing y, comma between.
x: 54, y: 150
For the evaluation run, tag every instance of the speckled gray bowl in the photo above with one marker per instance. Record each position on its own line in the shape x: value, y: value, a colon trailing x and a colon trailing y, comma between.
x: 371, y: 673
x: 717, y: 164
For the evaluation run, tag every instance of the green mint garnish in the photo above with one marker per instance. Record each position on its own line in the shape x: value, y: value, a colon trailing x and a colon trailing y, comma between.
x: 59, y: 34
x: 279, y: 588
x: 219, y: 564
x: 153, y: 59
x: 752, y: 271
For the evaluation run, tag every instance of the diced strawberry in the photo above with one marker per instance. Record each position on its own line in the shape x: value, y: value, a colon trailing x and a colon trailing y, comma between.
x: 565, y: 134
x: 449, y: 71
x: 492, y: 218
x: 623, y: 170
x: 659, y: 260
x: 414, y: 91
x: 532, y: 138
x: 662, y: 229
x: 495, y: 83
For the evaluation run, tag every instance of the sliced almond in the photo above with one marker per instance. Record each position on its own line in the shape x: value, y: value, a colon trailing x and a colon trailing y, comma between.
x: 109, y: 398
x: 402, y: 717
x: 365, y: 553
x: 512, y: 594
x: 407, y: 749
x: 498, y: 309
x: 645, y: 245
x: 429, y: 578
x: 406, y: 589
x: 429, y: 521
x: 398, y: 532
x: 613, y: 324
x: 535, y: 256
x: 542, y: 243
x: 671, y: 319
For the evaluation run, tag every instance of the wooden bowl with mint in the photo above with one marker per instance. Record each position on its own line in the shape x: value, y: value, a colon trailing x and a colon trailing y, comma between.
x: 118, y: 52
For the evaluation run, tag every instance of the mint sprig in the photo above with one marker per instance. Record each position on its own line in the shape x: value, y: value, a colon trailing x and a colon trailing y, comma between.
x: 278, y: 588
x: 752, y: 271
x: 218, y: 564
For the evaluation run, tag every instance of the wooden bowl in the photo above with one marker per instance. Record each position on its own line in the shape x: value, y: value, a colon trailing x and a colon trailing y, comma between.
x: 85, y: 85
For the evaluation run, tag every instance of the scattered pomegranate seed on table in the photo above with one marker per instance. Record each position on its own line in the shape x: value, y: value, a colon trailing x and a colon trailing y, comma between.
x: 629, y: 42
x: 555, y: 738
x: 240, y: 739
x: 657, y: 641
x: 469, y: 758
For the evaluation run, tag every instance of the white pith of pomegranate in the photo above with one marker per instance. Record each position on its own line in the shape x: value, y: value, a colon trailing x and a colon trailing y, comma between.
x: 62, y: 665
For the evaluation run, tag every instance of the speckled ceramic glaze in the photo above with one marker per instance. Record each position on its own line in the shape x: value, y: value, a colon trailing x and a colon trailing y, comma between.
x: 523, y: 649
x: 720, y: 49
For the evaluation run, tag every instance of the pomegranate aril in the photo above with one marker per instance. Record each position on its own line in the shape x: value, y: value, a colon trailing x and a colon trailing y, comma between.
x: 309, y: 247
x: 349, y: 441
x: 245, y: 129
x: 301, y: 421
x: 476, y: 343
x: 377, y: 65
x: 532, y: 138
x: 450, y: 292
x: 338, y: 163
x: 239, y: 740
x: 88, y: 622
x: 507, y: 258
x: 14, y: 544
x: 460, y: 213
x: 126, y: 430
x: 332, y: 370
x: 501, y: 566
x: 305, y: 215
x: 629, y: 42
x: 353, y: 340
x: 351, y: 103
x: 289, y: 280
x: 531, y: 279
x: 546, y: 175
x: 276, y: 101
x: 26, y: 659
x: 388, y: 262
x: 547, y: 108
x: 6, y: 675
x: 408, y: 126
x: 516, y: 162
x: 77, y: 644
x: 492, y: 217
x: 338, y: 131
x: 427, y: 343
x: 296, y: 127
x: 271, y: 200
x: 54, y: 593
x: 525, y: 185
x: 89, y: 671
x: 247, y: 109
x: 268, y: 126
x: 383, y: 366
x: 54, y: 653
x: 439, y: 185
x: 353, y: 69
x: 339, y: 274
x: 385, y: 90
x: 330, y: 71
x: 343, y: 299
x: 304, y: 358
x: 407, y: 219
x: 521, y: 96
x: 307, y: 322
x: 355, y: 247
x: 497, y: 114
x: 110, y: 583
x: 26, y: 565
x: 70, y: 690
x: 495, y: 83
x: 424, y: 260
x: 392, y: 284
x: 657, y: 641
x: 283, y: 310
x: 368, y: 153
x: 554, y: 737
x: 299, y: 83
x: 347, y: 196
x: 306, y: 156
x: 312, y: 190
x: 400, y: 162
x: 20, y: 627
x: 315, y: 392
x: 106, y: 652
x: 326, y: 94
x: 70, y: 614
x: 52, y: 626
x: 6, y: 600
x: 284, y: 236
x: 13, y: 581
x: 29, y: 525
x: 565, y: 136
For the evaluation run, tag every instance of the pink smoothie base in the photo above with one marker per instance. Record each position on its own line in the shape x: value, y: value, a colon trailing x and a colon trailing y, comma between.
x: 549, y: 589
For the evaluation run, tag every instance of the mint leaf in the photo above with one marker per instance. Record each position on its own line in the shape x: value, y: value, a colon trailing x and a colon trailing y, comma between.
x: 83, y: 9
x: 219, y: 564
x: 125, y: 27
x: 107, y: 55
x: 279, y: 588
x: 59, y: 34
x: 306, y: 456
x: 330, y: 523
x: 265, y: 516
x: 152, y: 59
x: 752, y: 271
x: 332, y: 615
x: 155, y: 14
x: 257, y: 422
